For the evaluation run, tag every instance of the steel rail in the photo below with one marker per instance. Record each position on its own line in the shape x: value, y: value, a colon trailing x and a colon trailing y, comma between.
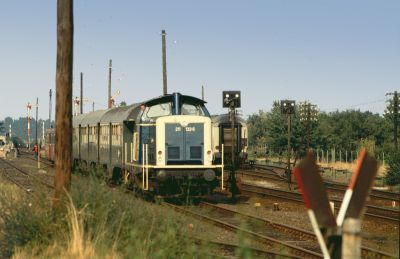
x: 365, y: 251
x: 296, y: 197
x: 271, y: 242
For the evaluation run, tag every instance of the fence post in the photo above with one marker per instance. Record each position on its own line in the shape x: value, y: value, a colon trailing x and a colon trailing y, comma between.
x: 346, y: 156
x: 340, y: 155
x: 327, y: 156
x: 351, y: 156
x: 351, y: 244
x: 317, y: 155
x: 333, y: 155
x: 383, y: 158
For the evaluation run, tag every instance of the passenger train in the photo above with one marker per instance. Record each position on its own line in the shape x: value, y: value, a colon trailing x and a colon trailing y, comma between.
x: 222, y: 134
x: 163, y: 145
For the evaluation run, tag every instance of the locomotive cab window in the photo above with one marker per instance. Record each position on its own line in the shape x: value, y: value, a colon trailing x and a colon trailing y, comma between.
x: 158, y: 110
x: 192, y: 109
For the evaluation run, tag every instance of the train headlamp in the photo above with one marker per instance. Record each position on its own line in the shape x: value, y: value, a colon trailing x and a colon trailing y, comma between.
x: 184, y: 124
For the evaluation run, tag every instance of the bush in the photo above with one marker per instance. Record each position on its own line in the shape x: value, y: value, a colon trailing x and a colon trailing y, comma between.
x: 393, y: 174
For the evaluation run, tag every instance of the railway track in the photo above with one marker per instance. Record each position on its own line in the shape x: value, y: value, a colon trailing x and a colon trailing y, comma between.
x: 27, y: 181
x: 291, y: 233
x: 276, y: 174
x: 372, y: 211
x: 272, y: 244
x: 375, y: 194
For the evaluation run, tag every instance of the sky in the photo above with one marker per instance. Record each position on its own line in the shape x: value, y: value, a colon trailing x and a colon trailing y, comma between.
x: 336, y: 54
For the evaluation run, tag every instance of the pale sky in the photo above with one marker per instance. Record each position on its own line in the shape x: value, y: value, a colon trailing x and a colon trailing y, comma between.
x: 336, y: 54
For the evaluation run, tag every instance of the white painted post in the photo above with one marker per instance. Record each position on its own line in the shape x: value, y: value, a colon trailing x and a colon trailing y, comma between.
x: 351, y: 244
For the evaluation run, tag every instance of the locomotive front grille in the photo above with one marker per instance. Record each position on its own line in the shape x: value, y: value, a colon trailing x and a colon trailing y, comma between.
x: 173, y: 153
x: 184, y: 144
x: 195, y: 152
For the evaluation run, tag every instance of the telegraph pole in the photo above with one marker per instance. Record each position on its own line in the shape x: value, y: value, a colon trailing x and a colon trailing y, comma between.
x: 164, y: 62
x: 395, y: 117
x: 109, y: 103
x: 202, y: 92
x: 81, y: 103
x: 308, y: 115
x: 63, y: 147
x: 36, y: 124
x: 50, y: 107
x: 394, y: 109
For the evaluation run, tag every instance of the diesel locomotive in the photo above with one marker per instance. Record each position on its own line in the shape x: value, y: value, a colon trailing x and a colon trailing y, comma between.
x: 163, y: 145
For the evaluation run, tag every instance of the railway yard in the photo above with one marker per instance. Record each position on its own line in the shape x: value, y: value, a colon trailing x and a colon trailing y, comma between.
x: 275, y: 135
x: 271, y: 217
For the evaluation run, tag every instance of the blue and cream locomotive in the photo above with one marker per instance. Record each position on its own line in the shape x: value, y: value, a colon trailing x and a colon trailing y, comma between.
x: 163, y: 145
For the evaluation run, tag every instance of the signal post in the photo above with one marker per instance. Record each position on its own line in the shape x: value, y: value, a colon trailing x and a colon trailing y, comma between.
x: 231, y: 100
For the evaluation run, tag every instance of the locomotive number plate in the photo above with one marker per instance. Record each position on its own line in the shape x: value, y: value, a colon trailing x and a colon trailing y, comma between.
x: 188, y: 129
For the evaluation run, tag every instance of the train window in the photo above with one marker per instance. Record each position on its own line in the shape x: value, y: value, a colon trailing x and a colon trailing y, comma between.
x: 158, y: 110
x: 190, y: 109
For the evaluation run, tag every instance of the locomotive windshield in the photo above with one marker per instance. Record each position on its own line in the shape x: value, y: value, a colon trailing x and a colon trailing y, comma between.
x: 192, y: 109
x: 158, y: 110
x: 173, y: 104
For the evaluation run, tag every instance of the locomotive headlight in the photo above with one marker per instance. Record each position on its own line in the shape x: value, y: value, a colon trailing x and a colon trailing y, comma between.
x: 209, y: 175
x: 184, y: 124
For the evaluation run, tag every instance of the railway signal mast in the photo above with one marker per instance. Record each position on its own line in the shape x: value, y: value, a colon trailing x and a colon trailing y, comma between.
x: 29, y: 107
x: 287, y: 108
x: 231, y: 100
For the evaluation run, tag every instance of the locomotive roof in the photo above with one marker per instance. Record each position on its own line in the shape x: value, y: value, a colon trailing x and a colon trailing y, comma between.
x: 169, y: 98
x: 225, y: 118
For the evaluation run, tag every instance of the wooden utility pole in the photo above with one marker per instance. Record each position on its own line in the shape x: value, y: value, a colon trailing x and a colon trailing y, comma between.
x: 36, y: 124
x: 50, y: 107
x: 81, y: 100
x: 63, y: 147
x: 395, y: 111
x: 109, y: 101
x: 164, y: 62
x: 395, y: 118
x: 202, y: 92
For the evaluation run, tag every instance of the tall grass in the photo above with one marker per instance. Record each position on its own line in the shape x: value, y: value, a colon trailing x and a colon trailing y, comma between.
x: 99, y: 222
